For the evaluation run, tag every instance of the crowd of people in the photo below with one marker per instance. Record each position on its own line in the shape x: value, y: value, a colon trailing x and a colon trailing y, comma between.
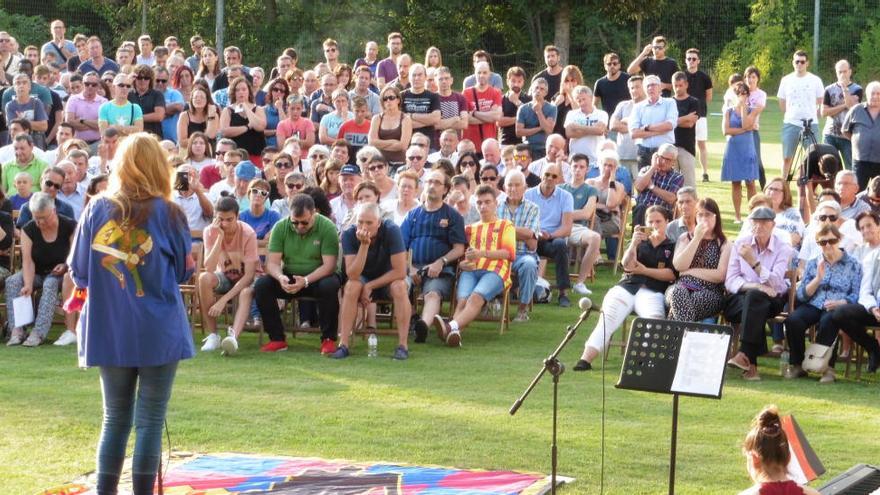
x: 347, y: 185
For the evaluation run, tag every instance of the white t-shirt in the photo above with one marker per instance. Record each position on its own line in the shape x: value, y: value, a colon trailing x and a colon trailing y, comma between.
x: 215, y: 192
x: 588, y: 145
x: 800, y: 95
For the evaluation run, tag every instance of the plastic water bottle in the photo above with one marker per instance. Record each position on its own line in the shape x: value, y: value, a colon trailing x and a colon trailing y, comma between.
x: 372, y: 346
x: 783, y: 362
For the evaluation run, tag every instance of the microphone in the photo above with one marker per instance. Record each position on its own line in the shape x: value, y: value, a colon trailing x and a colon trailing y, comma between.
x: 585, y: 304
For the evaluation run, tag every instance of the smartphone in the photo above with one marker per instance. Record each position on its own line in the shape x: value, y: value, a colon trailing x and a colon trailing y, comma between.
x: 181, y: 182
x: 611, y: 184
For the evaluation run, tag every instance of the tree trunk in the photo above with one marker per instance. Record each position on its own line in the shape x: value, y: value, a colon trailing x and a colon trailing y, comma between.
x: 562, y: 26
x: 271, y: 11
x: 639, y: 47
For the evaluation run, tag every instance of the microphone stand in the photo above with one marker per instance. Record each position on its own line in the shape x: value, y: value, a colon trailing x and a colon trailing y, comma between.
x: 555, y: 368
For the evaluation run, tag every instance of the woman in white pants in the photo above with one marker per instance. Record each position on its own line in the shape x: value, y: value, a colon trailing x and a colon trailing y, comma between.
x: 648, y: 271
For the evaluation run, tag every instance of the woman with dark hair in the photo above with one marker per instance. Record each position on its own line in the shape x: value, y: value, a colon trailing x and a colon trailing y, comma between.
x: 243, y: 121
x: 209, y: 66
x: 322, y: 204
x: 767, y: 457
x: 97, y: 185
x: 133, y: 247
x: 198, y: 151
x: 469, y: 166
x: 201, y: 115
x: 275, y: 108
x: 343, y: 77
x: 701, y: 261
x: 740, y: 161
x: 391, y: 130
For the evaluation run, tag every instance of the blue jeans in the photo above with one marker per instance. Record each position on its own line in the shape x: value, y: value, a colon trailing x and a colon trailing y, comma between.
x: 484, y: 283
x: 119, y: 385
x: 844, y: 146
x: 526, y: 269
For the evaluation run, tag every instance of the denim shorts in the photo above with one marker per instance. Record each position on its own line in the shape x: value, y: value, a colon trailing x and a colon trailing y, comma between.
x: 224, y: 285
x: 483, y: 282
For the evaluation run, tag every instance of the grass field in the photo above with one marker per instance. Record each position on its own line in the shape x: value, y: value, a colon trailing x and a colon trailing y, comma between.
x: 443, y: 406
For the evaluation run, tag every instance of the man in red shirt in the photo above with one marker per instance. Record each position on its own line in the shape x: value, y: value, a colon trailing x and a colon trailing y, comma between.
x: 484, y: 107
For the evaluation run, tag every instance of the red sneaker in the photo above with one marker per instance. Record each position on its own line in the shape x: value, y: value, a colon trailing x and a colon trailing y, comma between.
x: 328, y: 346
x: 274, y: 346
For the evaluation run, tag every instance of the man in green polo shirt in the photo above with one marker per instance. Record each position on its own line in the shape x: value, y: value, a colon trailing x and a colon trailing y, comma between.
x: 25, y: 161
x: 303, y: 249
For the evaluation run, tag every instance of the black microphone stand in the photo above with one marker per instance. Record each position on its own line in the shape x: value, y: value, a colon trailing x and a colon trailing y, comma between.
x: 555, y: 368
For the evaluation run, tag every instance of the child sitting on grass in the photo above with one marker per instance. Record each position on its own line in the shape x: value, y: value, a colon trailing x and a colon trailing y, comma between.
x: 24, y: 184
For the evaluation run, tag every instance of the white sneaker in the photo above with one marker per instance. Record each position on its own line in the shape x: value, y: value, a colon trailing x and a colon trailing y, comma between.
x: 229, y: 344
x: 33, y: 339
x: 212, y: 342
x: 16, y: 338
x: 66, y: 338
x: 521, y: 317
x: 305, y: 324
x: 582, y: 289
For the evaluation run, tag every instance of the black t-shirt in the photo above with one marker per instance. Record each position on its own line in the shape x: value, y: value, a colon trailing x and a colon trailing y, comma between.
x: 508, y: 109
x: 57, y: 106
x: 9, y: 229
x: 698, y: 83
x: 652, y: 257
x: 148, y: 103
x: 424, y: 102
x: 48, y: 255
x: 553, y: 83
x: 388, y: 241
x: 532, y: 180
x: 686, y: 137
x: 612, y: 92
x: 559, y: 127
x: 664, y: 69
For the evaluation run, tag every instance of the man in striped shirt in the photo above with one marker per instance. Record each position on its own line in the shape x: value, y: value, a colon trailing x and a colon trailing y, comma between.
x: 485, y: 271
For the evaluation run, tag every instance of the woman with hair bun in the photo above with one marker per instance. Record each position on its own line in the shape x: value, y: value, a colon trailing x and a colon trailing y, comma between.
x: 767, y: 457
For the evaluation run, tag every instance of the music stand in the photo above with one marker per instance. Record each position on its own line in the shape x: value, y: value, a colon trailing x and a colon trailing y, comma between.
x: 678, y: 358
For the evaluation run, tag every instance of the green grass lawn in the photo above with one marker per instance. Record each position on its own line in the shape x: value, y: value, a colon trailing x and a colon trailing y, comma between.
x: 443, y: 407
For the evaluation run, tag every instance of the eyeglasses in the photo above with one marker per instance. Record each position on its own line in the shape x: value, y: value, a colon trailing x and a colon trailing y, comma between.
x: 374, y: 168
x: 800, y: 62
x: 91, y: 84
x: 124, y: 86
x: 261, y: 192
x: 827, y: 218
x: 550, y: 176
x: 283, y: 165
x: 49, y: 183
x: 143, y: 78
x: 488, y: 178
x: 294, y: 185
x: 161, y: 81
x: 414, y: 158
x: 389, y: 98
x: 468, y: 164
x: 832, y: 241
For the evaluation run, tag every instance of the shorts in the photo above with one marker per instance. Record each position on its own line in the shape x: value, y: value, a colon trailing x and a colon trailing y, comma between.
x: 441, y: 285
x: 483, y: 282
x: 702, y: 129
x: 224, y: 285
x: 580, y: 235
x: 383, y: 293
x: 789, y: 136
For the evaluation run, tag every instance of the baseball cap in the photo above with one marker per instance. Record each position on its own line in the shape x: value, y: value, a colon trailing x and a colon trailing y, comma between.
x: 350, y: 170
x: 245, y: 170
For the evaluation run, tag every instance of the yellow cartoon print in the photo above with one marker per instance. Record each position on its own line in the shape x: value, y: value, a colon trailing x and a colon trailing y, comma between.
x: 124, y: 244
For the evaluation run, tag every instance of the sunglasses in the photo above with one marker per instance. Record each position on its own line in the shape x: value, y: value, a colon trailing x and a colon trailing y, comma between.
x: 824, y: 242
x: 488, y: 178
x: 294, y: 185
x: 375, y: 167
x: 124, y: 86
x: 521, y: 158
x: 161, y: 81
x: 468, y: 164
x: 143, y: 78
x: 414, y: 158
x: 827, y: 218
x: 283, y: 165
x: 389, y: 98
x: 49, y: 183
x: 278, y: 90
x: 261, y: 192
x: 91, y: 84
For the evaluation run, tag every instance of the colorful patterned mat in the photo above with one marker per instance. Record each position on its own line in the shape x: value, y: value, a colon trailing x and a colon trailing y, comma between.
x: 227, y: 474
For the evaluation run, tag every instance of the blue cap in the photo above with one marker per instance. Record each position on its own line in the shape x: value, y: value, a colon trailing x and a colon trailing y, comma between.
x: 350, y: 170
x: 245, y: 170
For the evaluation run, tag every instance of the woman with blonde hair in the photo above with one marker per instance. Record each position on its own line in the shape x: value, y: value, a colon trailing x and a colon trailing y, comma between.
x: 433, y: 57
x: 330, y: 180
x: 572, y: 77
x: 133, y: 247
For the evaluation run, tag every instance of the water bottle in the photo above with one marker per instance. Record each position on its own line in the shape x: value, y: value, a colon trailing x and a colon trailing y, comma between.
x: 372, y: 346
x: 783, y: 362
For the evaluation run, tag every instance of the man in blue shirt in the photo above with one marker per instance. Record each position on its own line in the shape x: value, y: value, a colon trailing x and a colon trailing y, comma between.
x: 375, y: 263
x: 653, y: 121
x: 535, y: 119
x: 556, y: 206
x: 174, y: 104
x: 434, y: 232
x: 97, y: 61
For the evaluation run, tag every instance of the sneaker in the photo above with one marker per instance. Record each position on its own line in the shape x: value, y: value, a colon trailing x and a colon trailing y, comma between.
x: 421, y: 329
x: 564, y: 302
x: 274, y: 346
x: 401, y: 353
x: 16, y: 338
x: 66, y: 338
x: 229, y: 344
x: 328, y: 346
x: 794, y: 371
x: 340, y: 353
x: 582, y: 289
x: 453, y: 339
x: 583, y: 365
x: 305, y: 324
x: 441, y: 326
x: 33, y: 339
x: 212, y: 343
x: 521, y: 316
x: 705, y: 177
x: 828, y: 377
x: 253, y: 324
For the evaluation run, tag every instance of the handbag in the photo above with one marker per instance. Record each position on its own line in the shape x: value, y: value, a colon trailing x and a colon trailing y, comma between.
x: 817, y: 356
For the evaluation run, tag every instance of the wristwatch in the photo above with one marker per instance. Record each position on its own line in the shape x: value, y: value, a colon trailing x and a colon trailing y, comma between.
x: 444, y: 260
x: 651, y: 187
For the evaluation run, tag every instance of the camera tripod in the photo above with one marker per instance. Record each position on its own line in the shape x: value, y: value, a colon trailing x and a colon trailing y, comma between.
x: 806, y: 140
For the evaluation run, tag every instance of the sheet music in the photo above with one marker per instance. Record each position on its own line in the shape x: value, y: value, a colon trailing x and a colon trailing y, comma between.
x: 24, y: 310
x: 700, y: 368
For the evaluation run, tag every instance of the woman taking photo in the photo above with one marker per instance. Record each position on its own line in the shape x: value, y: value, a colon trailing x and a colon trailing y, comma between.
x: 740, y: 161
x: 201, y: 115
x: 243, y: 121
x: 391, y: 130
x: 132, y: 247
x: 830, y: 281
x: 701, y: 262
x: 647, y: 265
